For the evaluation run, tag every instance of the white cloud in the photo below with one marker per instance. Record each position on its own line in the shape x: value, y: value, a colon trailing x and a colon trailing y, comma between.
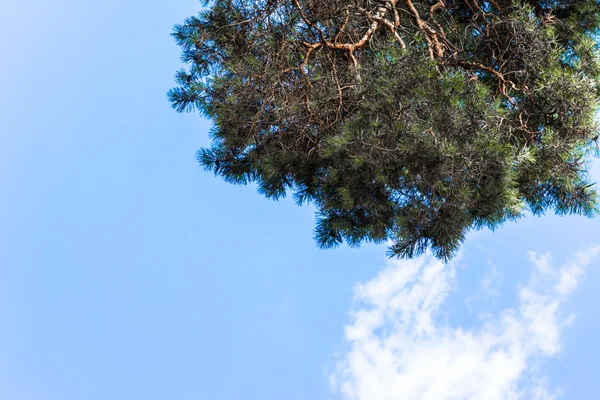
x: 398, y: 349
x: 487, y: 293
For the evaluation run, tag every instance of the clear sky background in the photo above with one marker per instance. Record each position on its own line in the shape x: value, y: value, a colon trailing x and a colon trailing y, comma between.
x: 127, y: 272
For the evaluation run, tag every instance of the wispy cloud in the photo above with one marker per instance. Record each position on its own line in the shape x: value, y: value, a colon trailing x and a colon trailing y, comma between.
x: 399, y: 349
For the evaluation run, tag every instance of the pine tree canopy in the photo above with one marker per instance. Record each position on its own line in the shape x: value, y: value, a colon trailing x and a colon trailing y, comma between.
x: 412, y: 121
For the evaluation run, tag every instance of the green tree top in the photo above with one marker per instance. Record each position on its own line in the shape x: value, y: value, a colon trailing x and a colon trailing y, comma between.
x: 408, y: 120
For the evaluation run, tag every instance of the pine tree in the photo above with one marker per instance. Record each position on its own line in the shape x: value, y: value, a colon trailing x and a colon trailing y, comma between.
x: 413, y: 121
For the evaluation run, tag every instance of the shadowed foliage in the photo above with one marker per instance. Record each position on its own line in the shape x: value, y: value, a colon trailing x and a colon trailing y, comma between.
x: 412, y: 121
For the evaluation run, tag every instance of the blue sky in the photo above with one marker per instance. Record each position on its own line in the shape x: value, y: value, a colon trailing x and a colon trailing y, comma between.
x: 127, y: 272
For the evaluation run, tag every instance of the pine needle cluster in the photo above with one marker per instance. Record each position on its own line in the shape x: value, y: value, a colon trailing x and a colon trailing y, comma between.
x: 413, y: 121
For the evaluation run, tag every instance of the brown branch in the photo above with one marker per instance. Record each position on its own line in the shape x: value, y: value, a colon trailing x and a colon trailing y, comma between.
x: 349, y: 47
x: 343, y: 27
x: 393, y: 30
x: 479, y: 66
x: 495, y: 4
x: 389, y: 24
x: 437, y: 6
x: 430, y: 33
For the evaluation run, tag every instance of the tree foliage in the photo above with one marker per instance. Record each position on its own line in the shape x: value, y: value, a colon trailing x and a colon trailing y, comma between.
x: 405, y: 120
